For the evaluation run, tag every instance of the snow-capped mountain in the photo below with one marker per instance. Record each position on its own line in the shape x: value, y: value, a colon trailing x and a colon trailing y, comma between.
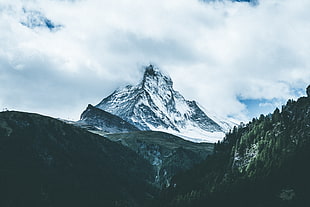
x: 153, y: 104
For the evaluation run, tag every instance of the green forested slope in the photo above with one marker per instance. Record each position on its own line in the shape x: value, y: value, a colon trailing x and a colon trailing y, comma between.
x: 45, y: 162
x: 263, y: 163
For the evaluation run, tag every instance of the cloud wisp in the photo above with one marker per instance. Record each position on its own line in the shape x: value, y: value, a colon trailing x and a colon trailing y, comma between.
x: 218, y: 53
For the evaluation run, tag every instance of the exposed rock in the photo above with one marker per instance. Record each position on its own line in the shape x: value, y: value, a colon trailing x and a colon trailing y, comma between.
x: 96, y: 119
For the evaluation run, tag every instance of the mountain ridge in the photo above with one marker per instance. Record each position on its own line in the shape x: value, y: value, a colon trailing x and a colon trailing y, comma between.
x: 100, y: 120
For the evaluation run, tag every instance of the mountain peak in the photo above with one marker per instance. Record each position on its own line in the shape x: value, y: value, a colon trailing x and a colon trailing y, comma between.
x: 153, y: 77
x: 153, y: 104
x: 151, y: 71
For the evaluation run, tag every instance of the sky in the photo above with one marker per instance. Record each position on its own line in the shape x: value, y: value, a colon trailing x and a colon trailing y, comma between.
x: 235, y: 59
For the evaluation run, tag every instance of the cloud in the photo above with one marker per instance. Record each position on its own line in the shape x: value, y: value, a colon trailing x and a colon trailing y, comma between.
x: 216, y: 52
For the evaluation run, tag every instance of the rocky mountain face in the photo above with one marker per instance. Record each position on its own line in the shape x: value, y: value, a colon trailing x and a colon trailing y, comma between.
x: 262, y: 163
x: 46, y: 162
x: 153, y: 104
x: 95, y: 119
x: 168, y: 154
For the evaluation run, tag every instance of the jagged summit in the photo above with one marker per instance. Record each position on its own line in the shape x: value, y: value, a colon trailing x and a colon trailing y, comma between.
x: 153, y: 104
x: 154, y: 77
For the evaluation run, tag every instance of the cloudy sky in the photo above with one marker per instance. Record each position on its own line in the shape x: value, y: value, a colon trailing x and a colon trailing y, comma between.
x: 236, y: 59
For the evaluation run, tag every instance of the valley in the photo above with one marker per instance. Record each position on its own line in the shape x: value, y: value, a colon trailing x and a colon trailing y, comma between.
x: 105, y: 160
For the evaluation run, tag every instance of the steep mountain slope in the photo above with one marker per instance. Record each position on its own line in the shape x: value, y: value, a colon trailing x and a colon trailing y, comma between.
x: 45, y: 162
x: 263, y: 163
x: 153, y: 104
x: 168, y: 154
x: 98, y: 120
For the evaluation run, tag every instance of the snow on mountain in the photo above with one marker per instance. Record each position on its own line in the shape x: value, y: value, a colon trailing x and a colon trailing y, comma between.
x: 96, y: 119
x: 224, y: 122
x: 153, y: 104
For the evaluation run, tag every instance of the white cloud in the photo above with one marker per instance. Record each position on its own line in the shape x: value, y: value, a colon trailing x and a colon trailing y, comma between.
x: 215, y: 52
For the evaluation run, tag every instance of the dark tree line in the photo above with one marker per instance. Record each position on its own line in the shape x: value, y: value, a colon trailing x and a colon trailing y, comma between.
x: 262, y: 163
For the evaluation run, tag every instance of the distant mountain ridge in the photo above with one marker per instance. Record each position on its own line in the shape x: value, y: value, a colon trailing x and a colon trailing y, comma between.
x: 153, y: 104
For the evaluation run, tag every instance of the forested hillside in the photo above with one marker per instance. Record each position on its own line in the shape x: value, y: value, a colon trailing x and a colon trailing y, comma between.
x: 262, y: 163
x: 45, y: 162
